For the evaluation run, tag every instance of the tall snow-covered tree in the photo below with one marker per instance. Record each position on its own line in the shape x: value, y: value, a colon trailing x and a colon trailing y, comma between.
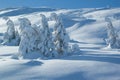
x: 113, y: 39
x: 61, y: 37
x: 28, y: 37
x: 46, y: 44
x: 10, y: 33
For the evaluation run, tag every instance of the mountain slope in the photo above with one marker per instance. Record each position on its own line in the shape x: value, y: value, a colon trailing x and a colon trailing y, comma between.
x: 88, y: 23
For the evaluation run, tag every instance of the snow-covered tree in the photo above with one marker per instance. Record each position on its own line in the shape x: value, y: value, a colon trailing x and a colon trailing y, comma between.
x: 75, y: 48
x: 61, y: 38
x: 11, y: 36
x: 28, y: 37
x: 113, y: 40
x: 46, y: 44
x: 10, y: 33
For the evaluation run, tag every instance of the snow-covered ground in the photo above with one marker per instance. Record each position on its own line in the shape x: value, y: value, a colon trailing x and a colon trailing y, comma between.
x: 86, y: 27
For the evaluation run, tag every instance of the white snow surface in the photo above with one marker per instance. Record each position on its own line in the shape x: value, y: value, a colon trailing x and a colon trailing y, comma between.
x: 87, y: 28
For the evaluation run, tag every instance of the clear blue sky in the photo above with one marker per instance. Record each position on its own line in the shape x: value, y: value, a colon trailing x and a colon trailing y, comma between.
x: 59, y: 3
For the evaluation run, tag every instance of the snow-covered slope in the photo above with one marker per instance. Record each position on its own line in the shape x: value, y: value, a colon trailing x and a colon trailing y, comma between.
x: 86, y: 27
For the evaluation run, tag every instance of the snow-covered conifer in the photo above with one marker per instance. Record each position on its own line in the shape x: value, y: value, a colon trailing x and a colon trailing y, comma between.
x: 46, y: 44
x: 28, y: 37
x: 113, y: 40
x: 10, y: 33
x: 61, y: 37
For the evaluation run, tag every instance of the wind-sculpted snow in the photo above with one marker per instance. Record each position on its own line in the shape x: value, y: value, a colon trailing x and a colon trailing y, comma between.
x: 93, y: 64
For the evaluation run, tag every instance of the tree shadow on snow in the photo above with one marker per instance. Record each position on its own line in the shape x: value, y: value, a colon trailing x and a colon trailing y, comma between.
x: 33, y: 63
x: 74, y: 41
x: 6, y: 55
x: 110, y: 58
x: 90, y: 47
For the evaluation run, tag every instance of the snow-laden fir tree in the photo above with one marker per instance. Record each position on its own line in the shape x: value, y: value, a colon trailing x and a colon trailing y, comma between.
x: 9, y: 35
x: 61, y: 38
x: 113, y: 40
x: 46, y: 44
x: 28, y: 37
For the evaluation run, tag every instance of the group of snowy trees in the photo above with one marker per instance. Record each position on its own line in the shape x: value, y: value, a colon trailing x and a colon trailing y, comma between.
x: 113, y: 40
x: 39, y: 38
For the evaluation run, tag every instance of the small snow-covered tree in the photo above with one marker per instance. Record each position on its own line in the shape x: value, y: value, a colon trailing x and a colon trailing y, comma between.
x: 46, y: 44
x: 28, y: 37
x: 113, y: 39
x: 11, y: 36
x: 10, y: 33
x: 61, y: 37
x: 75, y: 48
